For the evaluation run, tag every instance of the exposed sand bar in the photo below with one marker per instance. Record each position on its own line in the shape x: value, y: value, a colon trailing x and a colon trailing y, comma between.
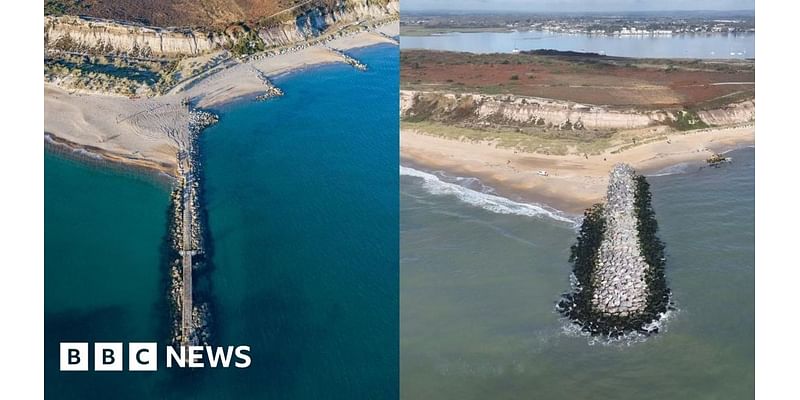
x: 146, y: 131
x: 573, y: 182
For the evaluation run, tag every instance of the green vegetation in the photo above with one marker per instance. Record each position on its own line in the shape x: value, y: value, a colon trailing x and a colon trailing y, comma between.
x: 110, y: 73
x: 250, y: 43
x: 687, y: 120
x: 62, y: 7
x: 536, y: 140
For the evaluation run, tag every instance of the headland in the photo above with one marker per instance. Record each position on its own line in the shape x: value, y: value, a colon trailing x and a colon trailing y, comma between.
x: 119, y: 88
x: 546, y: 126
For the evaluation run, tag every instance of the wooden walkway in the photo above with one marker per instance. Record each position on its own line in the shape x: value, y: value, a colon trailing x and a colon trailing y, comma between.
x: 186, y: 253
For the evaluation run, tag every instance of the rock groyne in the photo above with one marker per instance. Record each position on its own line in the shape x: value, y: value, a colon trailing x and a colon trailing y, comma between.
x: 618, y: 263
x: 271, y: 90
x: 349, y: 60
x: 191, y: 313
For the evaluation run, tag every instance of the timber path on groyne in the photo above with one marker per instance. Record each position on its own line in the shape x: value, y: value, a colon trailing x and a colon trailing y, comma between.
x: 188, y: 233
x: 187, y: 250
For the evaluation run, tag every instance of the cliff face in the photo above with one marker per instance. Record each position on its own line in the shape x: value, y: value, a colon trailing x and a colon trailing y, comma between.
x: 316, y: 21
x: 103, y: 36
x: 528, y: 111
x: 80, y: 34
x: 515, y: 110
x: 736, y: 113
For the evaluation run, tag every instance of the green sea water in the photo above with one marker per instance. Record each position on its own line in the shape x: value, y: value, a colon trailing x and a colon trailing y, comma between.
x: 480, y: 277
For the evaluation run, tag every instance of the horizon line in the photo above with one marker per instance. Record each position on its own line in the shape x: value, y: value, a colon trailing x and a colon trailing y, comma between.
x: 500, y: 11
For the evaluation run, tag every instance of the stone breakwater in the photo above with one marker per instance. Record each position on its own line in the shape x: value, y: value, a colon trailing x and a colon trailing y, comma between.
x: 189, y: 285
x: 619, y: 281
x: 618, y: 277
x: 349, y: 60
x: 271, y: 90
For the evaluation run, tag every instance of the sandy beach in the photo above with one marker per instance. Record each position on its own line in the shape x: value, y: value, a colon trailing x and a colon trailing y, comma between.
x: 145, y: 132
x: 574, y: 182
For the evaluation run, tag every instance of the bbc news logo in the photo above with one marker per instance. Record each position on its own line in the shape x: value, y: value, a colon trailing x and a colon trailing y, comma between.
x: 108, y: 356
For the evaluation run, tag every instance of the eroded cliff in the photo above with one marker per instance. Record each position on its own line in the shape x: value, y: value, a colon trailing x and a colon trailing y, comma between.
x: 97, y: 36
x: 518, y: 111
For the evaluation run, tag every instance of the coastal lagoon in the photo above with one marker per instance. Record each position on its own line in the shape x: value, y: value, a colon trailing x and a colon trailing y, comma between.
x: 479, y: 285
x: 301, y: 198
x: 706, y: 46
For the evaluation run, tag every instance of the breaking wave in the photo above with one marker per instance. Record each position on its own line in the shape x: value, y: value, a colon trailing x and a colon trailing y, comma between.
x: 672, y: 170
x: 483, y: 197
x: 570, y: 329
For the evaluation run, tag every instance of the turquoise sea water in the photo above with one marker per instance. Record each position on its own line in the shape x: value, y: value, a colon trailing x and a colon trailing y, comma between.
x: 301, y: 197
x: 679, y: 46
x: 478, y: 290
x: 104, y: 230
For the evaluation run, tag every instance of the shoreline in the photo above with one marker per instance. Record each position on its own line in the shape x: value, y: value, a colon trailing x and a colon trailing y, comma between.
x: 145, y: 133
x: 64, y: 148
x: 574, y: 183
x: 284, y: 74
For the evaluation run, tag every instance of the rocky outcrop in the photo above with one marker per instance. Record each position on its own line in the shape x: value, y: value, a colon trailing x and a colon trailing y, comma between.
x: 79, y: 34
x: 618, y: 277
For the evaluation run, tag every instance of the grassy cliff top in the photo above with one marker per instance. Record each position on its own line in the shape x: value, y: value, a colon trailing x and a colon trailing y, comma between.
x: 583, y: 78
x: 205, y: 13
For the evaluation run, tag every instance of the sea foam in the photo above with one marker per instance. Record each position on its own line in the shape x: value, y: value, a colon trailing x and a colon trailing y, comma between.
x: 490, y: 202
x: 672, y: 170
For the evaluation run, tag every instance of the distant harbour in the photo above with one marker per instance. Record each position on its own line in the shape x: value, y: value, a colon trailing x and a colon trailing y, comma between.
x: 703, y: 46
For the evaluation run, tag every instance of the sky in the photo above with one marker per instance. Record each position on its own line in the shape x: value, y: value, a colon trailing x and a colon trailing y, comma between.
x: 575, y: 5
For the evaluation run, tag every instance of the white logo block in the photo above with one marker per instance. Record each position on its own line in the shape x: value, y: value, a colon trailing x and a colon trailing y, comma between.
x: 74, y: 356
x: 142, y: 356
x: 108, y: 356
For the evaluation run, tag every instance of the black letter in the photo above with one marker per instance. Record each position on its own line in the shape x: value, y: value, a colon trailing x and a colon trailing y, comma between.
x: 108, y: 356
x: 139, y: 353
x: 74, y: 354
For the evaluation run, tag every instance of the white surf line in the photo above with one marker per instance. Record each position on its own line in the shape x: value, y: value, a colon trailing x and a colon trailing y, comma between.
x: 489, y: 202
